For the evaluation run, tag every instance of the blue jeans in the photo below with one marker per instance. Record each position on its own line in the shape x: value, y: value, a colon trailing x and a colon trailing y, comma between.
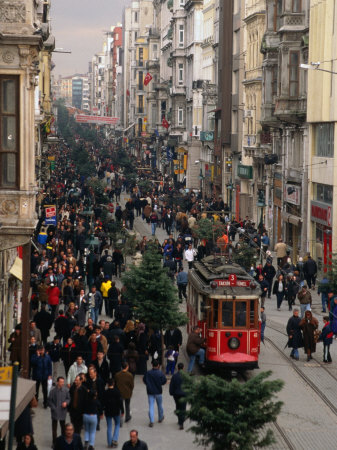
x: 294, y: 353
x: 90, y: 424
x: 325, y: 301
x: 159, y: 400
x: 201, y: 354
x: 304, y: 308
x: 114, y: 437
x: 153, y: 228
x: 170, y: 366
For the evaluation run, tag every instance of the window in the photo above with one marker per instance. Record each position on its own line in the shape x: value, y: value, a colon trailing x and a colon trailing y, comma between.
x: 140, y: 104
x: 162, y: 110
x: 141, y: 56
x: 140, y: 81
x: 296, y: 6
x: 323, y: 192
x: 294, y: 58
x: 324, y: 139
x: 9, y: 131
x: 240, y: 314
x: 180, y: 116
x: 274, y: 81
x: 227, y: 314
x: 136, y: 16
x: 155, y: 51
x: 215, y: 313
x: 181, y: 35
x: 180, y: 74
x: 181, y: 3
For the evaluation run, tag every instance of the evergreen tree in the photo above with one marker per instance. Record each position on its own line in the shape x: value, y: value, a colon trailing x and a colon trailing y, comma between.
x: 245, y: 256
x: 232, y: 415
x: 153, y: 294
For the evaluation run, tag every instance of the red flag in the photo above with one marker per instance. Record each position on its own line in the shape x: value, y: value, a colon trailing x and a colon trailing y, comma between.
x: 128, y: 92
x: 165, y: 123
x: 147, y: 79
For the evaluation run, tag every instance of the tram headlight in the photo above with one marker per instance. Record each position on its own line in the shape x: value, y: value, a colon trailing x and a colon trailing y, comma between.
x: 233, y: 343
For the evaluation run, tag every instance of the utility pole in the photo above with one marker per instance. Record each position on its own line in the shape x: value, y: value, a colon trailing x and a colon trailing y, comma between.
x: 25, y: 313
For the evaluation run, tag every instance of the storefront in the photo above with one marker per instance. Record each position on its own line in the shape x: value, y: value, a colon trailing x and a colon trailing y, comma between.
x: 292, y: 220
x: 321, y: 232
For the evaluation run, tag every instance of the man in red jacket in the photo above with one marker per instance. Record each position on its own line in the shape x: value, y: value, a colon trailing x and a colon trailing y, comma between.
x: 53, y: 293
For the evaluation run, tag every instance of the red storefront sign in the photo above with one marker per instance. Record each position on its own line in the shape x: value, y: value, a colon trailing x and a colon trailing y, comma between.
x: 321, y: 213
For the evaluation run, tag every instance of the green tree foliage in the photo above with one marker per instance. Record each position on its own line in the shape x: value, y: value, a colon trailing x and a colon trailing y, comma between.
x: 245, y: 256
x: 332, y: 273
x: 153, y: 294
x: 209, y: 230
x: 232, y: 415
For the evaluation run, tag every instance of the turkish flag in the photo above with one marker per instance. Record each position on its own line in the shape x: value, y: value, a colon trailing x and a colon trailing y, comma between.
x: 128, y: 92
x: 147, y: 79
x: 165, y: 123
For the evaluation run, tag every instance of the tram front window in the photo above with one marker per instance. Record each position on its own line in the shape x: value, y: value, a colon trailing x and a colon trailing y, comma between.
x: 215, y: 313
x: 227, y: 314
x: 240, y: 314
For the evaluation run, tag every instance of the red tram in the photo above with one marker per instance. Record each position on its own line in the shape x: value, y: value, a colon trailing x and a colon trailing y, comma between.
x: 224, y: 301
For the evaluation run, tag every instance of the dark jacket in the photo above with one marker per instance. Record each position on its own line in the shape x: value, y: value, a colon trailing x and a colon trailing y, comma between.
x: 309, y: 324
x: 125, y: 383
x: 275, y: 287
x: 141, y: 445
x: 294, y: 330
x: 264, y: 285
x: 42, y: 367
x: 62, y: 327
x: 115, y: 353
x: 269, y: 272
x: 43, y: 322
x: 176, y: 385
x: 194, y: 343
x: 103, y: 369
x: 61, y: 443
x: 23, y: 447
x: 76, y: 404
x: 326, y: 334
x: 310, y: 267
x: 154, y: 380
x: 54, y: 351
x: 113, y: 402
x: 174, y: 338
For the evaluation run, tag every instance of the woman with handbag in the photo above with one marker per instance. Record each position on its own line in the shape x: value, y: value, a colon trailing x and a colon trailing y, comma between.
x: 309, y: 325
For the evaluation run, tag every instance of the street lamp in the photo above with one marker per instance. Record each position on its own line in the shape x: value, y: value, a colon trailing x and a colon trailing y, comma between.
x: 315, y: 66
x: 201, y: 178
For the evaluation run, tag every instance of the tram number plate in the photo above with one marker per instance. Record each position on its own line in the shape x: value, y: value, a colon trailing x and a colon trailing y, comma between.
x: 233, y: 281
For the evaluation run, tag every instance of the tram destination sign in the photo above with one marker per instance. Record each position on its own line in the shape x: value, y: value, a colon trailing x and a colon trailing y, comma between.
x: 233, y: 282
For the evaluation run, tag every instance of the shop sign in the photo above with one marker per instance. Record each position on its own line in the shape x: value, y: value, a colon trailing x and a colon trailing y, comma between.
x: 50, y: 215
x: 245, y: 172
x: 321, y: 213
x: 233, y: 281
x: 295, y: 197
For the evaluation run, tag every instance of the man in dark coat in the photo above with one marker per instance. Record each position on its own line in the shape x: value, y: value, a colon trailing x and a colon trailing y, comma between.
x: 310, y: 272
x: 269, y: 273
x: 264, y: 288
x: 69, y: 440
x: 179, y: 395
x: 62, y: 327
x: 295, y: 339
x: 134, y: 442
x: 44, y: 321
x: 115, y: 353
x: 173, y: 337
x: 42, y: 371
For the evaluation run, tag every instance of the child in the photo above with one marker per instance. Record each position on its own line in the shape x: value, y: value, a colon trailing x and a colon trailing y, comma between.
x: 326, y: 336
x: 171, y: 356
x: 263, y: 322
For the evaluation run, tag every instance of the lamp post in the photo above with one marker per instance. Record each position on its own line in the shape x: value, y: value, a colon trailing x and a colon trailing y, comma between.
x: 261, y: 204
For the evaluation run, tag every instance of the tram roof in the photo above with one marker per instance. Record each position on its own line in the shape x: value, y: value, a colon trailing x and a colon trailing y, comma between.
x: 215, y: 268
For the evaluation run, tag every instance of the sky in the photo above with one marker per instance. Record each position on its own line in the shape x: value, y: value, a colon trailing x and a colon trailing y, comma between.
x: 78, y: 26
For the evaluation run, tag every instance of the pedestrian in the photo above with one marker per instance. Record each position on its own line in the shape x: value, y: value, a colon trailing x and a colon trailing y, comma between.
x: 83, y: 307
x: 269, y: 273
x: 77, y: 398
x: 281, y: 252
x: 182, y: 279
x: 153, y: 221
x: 54, y: 351
x: 310, y: 272
x: 105, y: 286
x: 142, y: 348
x: 113, y: 409
x: 70, y: 439
x: 15, y: 345
x: 279, y: 290
x: 323, y: 289
x: 95, y: 303
x: 68, y: 354
x: 179, y: 395
x: 75, y: 369
x: 42, y: 371
x: 102, y: 367
x: 58, y: 401
x: 292, y: 290
x: 333, y: 313
x: 27, y: 443
x: 53, y: 293
x: 125, y: 384
x: 115, y: 353
x: 190, y: 254
x: 264, y: 285
x: 94, y: 346
x: 171, y: 357
x: 61, y: 326
x: 95, y: 383
x: 91, y: 410
x: 134, y: 442
x: 131, y: 356
x: 194, y: 348
x: 154, y: 380
x: 326, y: 337
x: 295, y: 340
x: 309, y: 324
x: 305, y: 299
x: 173, y: 337
x: 44, y: 321
x: 263, y: 322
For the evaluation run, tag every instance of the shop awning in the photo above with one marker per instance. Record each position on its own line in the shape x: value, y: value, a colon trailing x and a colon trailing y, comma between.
x: 16, y: 268
x: 290, y: 218
x: 26, y: 390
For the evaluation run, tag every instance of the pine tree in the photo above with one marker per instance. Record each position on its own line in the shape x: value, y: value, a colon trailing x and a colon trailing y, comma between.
x: 245, y: 256
x: 232, y: 415
x: 153, y: 294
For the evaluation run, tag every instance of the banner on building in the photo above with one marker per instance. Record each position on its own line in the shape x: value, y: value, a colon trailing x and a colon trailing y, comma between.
x: 50, y: 211
x: 98, y: 120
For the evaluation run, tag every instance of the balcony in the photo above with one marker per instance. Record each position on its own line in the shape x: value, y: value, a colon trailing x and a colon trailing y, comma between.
x: 291, y: 109
x: 293, y: 21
